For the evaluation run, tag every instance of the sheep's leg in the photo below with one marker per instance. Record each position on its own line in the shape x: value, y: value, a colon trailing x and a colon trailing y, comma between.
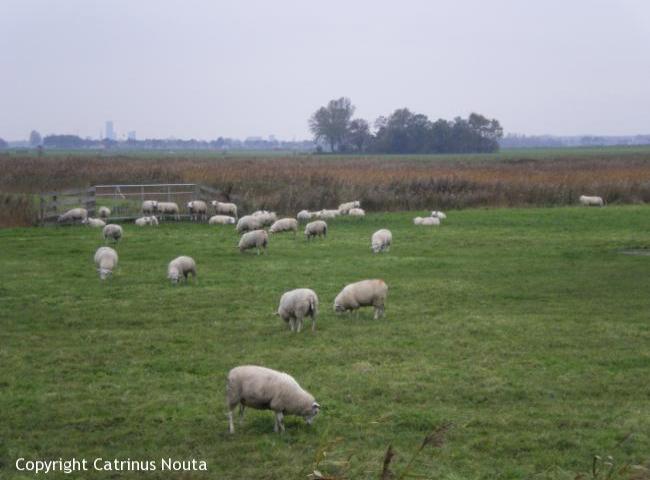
x: 279, y: 426
x: 241, y: 410
x: 231, y: 424
x: 313, y: 323
x: 291, y: 324
x: 299, y: 324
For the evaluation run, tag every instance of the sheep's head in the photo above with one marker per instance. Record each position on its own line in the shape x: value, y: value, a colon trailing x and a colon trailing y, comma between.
x: 214, y: 203
x: 338, y: 306
x: 313, y: 411
x: 174, y: 275
x: 104, y: 273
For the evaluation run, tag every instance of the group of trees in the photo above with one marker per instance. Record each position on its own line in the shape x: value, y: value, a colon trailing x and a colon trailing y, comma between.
x: 402, y: 132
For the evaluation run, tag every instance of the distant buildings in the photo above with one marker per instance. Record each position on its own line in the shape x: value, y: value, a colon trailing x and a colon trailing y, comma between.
x: 110, y: 132
x: 131, y: 135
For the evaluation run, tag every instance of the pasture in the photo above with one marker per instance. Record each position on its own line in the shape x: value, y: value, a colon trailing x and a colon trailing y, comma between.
x: 525, y: 328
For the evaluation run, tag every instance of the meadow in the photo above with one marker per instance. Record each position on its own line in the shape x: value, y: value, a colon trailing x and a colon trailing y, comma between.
x: 524, y: 332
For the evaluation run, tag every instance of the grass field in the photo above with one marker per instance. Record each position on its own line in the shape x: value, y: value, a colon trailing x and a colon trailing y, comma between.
x: 525, y: 328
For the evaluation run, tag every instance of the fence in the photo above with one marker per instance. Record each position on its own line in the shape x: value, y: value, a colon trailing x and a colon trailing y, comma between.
x: 125, y: 201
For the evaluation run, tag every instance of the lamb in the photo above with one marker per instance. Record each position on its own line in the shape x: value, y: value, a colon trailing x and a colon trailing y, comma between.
x: 362, y: 294
x: 316, y: 229
x: 104, y: 212
x: 265, y: 389
x: 344, y: 208
x: 285, y: 225
x: 248, y: 223
x: 381, y: 240
x: 438, y: 214
x: 198, y: 209
x: 297, y: 304
x: 169, y: 208
x: 74, y: 215
x: 225, y: 208
x: 143, y: 221
x: 181, y: 267
x: 427, y: 221
x: 591, y: 201
x: 149, y: 207
x: 357, y: 212
x: 304, y: 215
x: 221, y: 220
x: 112, y: 231
x: 94, y: 222
x: 106, y: 261
x: 255, y: 239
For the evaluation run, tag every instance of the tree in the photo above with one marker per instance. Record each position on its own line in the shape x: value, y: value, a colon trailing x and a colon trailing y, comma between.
x: 331, y: 123
x: 359, y: 135
x: 35, y: 139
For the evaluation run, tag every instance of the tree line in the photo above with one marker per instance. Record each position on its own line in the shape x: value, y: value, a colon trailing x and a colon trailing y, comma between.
x: 402, y: 131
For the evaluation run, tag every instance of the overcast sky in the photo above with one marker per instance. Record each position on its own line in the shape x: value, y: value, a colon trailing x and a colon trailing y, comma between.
x: 205, y: 69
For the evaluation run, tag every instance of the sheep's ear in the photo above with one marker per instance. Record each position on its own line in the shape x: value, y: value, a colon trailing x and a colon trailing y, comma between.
x: 315, y: 405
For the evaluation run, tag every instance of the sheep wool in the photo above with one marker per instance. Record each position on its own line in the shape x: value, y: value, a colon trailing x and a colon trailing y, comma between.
x: 316, y: 229
x: 365, y: 293
x: 381, y: 240
x: 297, y: 304
x: 74, y: 215
x: 257, y: 239
x: 112, y: 232
x: 248, y: 223
x: 221, y: 220
x: 180, y: 268
x: 285, y: 225
x: 106, y: 261
x: 95, y: 222
x: 591, y: 201
x: 221, y: 208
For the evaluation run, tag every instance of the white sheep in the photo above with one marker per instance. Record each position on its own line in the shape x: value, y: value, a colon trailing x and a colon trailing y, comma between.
x: 106, y: 261
x: 149, y: 207
x: 74, y: 215
x: 266, y: 389
x: 381, y: 240
x: 112, y: 232
x: 362, y: 294
x: 103, y: 212
x: 304, y: 216
x: 248, y: 223
x: 169, y: 208
x: 316, y: 229
x: 327, y: 214
x: 591, y: 201
x: 357, y: 212
x: 181, y: 267
x: 344, y: 208
x: 438, y: 214
x: 267, y: 218
x: 143, y: 221
x: 221, y: 220
x: 94, y: 222
x: 297, y: 304
x: 198, y: 210
x: 285, y: 225
x: 426, y: 221
x: 221, y: 208
x: 256, y: 239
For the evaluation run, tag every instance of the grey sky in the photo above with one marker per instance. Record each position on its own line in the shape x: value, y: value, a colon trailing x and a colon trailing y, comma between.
x: 205, y: 69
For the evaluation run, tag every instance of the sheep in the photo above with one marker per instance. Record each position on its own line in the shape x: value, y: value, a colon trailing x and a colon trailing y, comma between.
x: 266, y: 389
x: 297, y: 304
x: 181, y: 267
x: 149, y: 207
x: 266, y: 218
x: 221, y: 220
x: 357, y: 212
x: 103, y: 212
x: 285, y: 225
x: 74, y: 215
x: 381, y: 240
x: 142, y: 221
x: 304, y: 215
x: 94, y: 222
x: 225, y: 208
x: 327, y: 214
x: 362, y: 294
x: 344, y: 208
x: 591, y: 201
x: 106, y: 261
x: 255, y: 239
x: 198, y: 209
x: 316, y: 229
x: 427, y: 221
x: 169, y: 208
x: 112, y: 231
x: 438, y: 214
x: 248, y: 223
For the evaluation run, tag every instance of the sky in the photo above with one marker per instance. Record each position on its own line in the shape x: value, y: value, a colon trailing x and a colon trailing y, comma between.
x: 208, y: 68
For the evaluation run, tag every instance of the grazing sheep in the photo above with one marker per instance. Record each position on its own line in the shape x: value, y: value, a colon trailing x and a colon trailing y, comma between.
x: 297, y: 304
x: 417, y: 221
x: 316, y: 229
x: 198, y: 210
x: 362, y: 294
x: 143, y: 221
x: 381, y: 240
x: 74, y: 215
x: 304, y: 216
x: 265, y: 389
x: 327, y: 214
x: 344, y: 208
x: 357, y: 212
x: 181, y: 267
x: 255, y: 239
x: 106, y: 261
x: 221, y: 220
x: 438, y: 214
x: 149, y: 207
x: 427, y: 221
x: 248, y: 223
x: 112, y: 232
x: 169, y: 208
x: 285, y: 225
x: 591, y: 201
x: 103, y: 212
x: 266, y: 218
x: 221, y: 208
x: 94, y: 222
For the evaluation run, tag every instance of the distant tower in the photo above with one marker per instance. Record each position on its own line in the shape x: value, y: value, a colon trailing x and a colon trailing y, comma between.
x: 110, y: 133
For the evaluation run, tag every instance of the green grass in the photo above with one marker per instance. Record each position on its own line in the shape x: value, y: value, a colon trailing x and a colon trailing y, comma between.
x: 524, y: 327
